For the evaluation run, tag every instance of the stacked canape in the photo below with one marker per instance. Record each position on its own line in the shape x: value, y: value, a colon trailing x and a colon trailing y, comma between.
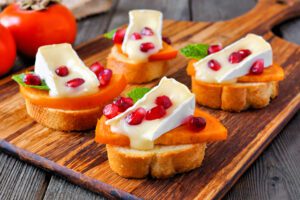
x: 237, y: 77
x: 140, y: 52
x: 160, y: 135
x: 62, y: 93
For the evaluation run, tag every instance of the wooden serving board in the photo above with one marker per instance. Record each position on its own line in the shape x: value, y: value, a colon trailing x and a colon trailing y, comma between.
x: 79, y: 159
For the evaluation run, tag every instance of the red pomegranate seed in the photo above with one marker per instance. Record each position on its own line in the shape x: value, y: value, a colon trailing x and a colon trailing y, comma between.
x: 136, y: 36
x: 119, y: 36
x: 146, y: 31
x: 62, y: 71
x: 123, y: 103
x: 214, y: 48
x: 110, y: 111
x: 147, y: 46
x: 156, y: 112
x: 235, y: 57
x: 244, y: 53
x: 257, y: 67
x: 196, y: 123
x: 166, y: 40
x: 136, y: 117
x: 32, y: 79
x: 164, y: 101
x: 104, y: 77
x: 214, y: 65
x: 97, y: 68
x: 76, y: 82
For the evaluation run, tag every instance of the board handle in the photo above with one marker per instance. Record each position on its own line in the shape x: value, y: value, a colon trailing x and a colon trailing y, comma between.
x: 269, y: 13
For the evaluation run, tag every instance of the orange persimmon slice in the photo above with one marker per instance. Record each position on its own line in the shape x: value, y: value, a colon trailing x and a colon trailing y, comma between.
x: 214, y: 131
x: 106, y: 94
x: 166, y: 53
x: 272, y: 73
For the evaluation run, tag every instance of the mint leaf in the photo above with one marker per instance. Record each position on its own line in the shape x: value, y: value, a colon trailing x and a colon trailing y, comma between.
x: 195, y: 51
x: 137, y: 93
x: 110, y: 34
x: 19, y: 79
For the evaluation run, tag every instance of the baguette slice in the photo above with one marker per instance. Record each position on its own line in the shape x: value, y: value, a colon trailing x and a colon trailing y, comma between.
x: 160, y: 162
x: 64, y: 120
x: 235, y: 97
x: 136, y: 72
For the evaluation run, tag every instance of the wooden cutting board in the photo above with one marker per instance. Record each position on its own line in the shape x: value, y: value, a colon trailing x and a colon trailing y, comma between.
x: 79, y: 159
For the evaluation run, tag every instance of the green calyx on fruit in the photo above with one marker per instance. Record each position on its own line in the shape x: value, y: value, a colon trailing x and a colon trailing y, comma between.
x: 36, y: 4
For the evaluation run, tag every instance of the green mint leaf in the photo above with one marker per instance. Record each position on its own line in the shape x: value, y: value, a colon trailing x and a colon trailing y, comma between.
x: 195, y: 51
x: 110, y: 34
x: 137, y: 93
x: 19, y: 79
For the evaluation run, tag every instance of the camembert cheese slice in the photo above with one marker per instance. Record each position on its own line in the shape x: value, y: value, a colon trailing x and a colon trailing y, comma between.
x: 260, y: 49
x: 142, y: 136
x: 50, y: 57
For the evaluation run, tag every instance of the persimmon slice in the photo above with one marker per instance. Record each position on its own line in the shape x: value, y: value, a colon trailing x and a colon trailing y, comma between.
x: 214, y: 131
x: 106, y: 94
x: 272, y: 73
x: 166, y: 53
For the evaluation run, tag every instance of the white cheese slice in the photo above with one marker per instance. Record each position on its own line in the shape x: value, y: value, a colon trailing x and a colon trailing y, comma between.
x: 49, y: 57
x: 142, y: 136
x: 138, y: 19
x: 229, y: 72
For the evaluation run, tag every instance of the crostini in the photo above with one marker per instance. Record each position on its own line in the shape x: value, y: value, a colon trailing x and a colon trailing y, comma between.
x: 62, y: 93
x: 162, y: 134
x: 235, y: 78
x: 140, y: 52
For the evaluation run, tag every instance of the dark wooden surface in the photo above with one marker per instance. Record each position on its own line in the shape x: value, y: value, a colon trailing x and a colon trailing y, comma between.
x: 275, y: 175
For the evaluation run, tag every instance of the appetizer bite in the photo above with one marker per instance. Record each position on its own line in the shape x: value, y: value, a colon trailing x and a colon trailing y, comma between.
x: 62, y: 93
x: 140, y: 52
x: 235, y: 78
x: 161, y: 134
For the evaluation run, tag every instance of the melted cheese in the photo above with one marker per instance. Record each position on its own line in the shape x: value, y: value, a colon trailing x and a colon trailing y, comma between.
x: 229, y: 72
x: 138, y: 19
x: 50, y: 57
x: 142, y: 136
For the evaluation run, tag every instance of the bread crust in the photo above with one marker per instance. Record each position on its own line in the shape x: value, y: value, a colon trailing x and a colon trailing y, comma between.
x: 235, y: 97
x: 161, y: 162
x: 136, y: 72
x: 64, y: 120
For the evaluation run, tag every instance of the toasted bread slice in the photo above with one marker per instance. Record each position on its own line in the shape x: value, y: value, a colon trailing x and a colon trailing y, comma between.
x: 160, y: 162
x: 64, y: 120
x: 234, y: 97
x: 135, y: 72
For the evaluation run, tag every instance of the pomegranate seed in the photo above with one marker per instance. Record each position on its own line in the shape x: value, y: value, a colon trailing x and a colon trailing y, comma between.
x: 119, y: 36
x: 32, y: 79
x: 164, y: 101
x: 146, y: 31
x: 214, y: 48
x: 123, y: 103
x: 166, y: 40
x: 104, y: 77
x: 156, y: 112
x: 110, y: 111
x: 196, y: 123
x: 136, y: 117
x: 244, y: 53
x: 62, y: 71
x: 214, y: 65
x: 76, y: 82
x: 97, y: 68
x: 147, y: 46
x: 136, y: 36
x: 235, y: 57
x: 257, y: 67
